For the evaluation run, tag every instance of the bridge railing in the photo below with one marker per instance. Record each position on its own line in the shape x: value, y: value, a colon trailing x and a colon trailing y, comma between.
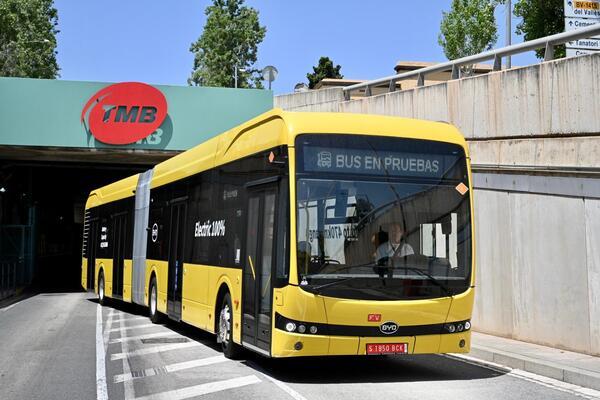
x: 548, y: 43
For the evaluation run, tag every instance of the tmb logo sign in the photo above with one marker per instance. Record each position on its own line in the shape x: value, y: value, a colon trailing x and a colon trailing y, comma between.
x: 124, y: 113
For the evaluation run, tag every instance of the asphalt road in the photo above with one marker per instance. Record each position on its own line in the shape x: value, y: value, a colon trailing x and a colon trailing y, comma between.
x: 52, y: 347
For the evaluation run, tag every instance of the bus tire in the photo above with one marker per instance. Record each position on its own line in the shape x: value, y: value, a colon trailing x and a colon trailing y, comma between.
x: 101, y: 289
x: 225, y: 329
x: 155, y: 315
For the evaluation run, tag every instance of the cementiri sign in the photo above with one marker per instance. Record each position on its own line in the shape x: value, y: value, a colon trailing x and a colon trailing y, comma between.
x: 124, y: 113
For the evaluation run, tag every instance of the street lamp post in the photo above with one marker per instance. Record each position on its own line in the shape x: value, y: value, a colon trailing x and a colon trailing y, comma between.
x: 508, y: 30
x: 235, y: 74
x: 7, y: 55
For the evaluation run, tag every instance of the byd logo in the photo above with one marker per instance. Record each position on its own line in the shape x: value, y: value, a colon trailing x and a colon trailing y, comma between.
x: 124, y: 113
x: 388, y: 327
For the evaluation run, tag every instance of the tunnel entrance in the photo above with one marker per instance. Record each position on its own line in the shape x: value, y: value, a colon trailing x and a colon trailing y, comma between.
x: 41, y: 217
x: 61, y: 139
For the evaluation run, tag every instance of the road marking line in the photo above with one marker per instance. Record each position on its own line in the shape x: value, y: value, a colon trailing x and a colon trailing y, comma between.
x: 277, y: 382
x: 205, y: 388
x: 101, y: 390
x: 134, y: 327
x: 146, y: 336
x: 551, y: 383
x: 106, y: 335
x: 129, y: 319
x: 166, y: 369
x: 128, y: 390
x: 151, y: 350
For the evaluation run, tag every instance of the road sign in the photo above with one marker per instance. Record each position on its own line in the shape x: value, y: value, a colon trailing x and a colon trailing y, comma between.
x: 572, y: 24
x: 585, y: 44
x: 579, y: 52
x: 582, y: 9
x: 581, y: 14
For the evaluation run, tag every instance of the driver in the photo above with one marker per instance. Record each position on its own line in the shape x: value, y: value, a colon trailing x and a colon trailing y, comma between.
x: 395, y: 246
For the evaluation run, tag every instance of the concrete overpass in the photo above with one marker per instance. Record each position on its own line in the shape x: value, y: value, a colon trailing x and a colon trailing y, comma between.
x: 534, y: 135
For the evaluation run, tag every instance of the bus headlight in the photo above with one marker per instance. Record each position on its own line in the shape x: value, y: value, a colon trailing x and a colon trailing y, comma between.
x: 457, y: 326
x: 290, y: 327
x: 313, y: 329
x: 301, y: 328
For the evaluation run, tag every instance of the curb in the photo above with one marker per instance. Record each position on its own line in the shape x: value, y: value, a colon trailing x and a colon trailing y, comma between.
x: 575, y: 376
x: 21, y: 293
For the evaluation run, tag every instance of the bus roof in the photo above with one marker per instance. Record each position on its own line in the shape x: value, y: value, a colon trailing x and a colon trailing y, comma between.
x: 271, y: 129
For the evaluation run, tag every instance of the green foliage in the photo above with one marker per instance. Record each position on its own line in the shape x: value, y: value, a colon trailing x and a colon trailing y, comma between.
x: 541, y: 18
x: 324, y: 69
x: 469, y: 28
x: 231, y: 36
x: 28, y: 38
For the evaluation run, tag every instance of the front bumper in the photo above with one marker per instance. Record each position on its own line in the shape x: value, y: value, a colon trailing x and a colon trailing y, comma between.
x: 285, y: 344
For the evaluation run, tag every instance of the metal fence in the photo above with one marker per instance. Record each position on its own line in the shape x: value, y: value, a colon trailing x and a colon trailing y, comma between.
x: 16, y: 243
x: 548, y: 43
x: 8, y: 277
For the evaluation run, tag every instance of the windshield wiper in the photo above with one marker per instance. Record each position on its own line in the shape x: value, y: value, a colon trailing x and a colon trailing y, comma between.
x: 433, y: 280
x: 317, y: 289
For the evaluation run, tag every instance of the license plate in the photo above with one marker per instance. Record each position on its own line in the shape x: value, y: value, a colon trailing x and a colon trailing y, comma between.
x: 387, y: 348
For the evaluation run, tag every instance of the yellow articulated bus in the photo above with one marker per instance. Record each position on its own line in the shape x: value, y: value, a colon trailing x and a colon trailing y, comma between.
x: 298, y: 234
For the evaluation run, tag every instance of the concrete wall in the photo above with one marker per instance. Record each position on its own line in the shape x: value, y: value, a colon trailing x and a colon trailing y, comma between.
x: 534, y: 135
x: 553, y: 98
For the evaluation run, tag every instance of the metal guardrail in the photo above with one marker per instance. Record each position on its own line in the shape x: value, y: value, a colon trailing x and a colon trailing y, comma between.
x: 8, y: 277
x: 548, y: 42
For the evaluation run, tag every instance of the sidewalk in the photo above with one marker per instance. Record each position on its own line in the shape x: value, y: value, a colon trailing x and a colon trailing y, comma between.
x: 576, y: 368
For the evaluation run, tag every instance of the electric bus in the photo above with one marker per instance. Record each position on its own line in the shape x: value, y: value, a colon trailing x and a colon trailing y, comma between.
x: 298, y: 234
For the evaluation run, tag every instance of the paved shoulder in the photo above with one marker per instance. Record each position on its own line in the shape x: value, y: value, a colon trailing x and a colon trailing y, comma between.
x: 47, y: 346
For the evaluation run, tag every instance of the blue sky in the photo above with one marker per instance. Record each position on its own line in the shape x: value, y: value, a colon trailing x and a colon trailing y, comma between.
x: 148, y: 41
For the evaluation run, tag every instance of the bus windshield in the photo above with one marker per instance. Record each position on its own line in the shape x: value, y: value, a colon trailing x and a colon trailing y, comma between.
x: 382, y: 218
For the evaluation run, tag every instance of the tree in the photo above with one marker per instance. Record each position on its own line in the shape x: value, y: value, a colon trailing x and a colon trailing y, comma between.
x: 28, y: 38
x: 541, y: 18
x: 324, y: 69
x: 469, y: 28
x: 231, y: 36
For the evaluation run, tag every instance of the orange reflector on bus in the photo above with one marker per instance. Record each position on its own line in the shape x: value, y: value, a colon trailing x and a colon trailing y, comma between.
x: 462, y: 188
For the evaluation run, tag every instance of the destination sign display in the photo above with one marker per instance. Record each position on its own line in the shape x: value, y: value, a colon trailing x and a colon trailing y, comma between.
x: 387, y: 163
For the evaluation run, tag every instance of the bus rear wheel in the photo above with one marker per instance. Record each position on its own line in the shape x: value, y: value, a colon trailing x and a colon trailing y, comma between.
x: 155, y: 315
x: 225, y: 329
x: 101, y: 289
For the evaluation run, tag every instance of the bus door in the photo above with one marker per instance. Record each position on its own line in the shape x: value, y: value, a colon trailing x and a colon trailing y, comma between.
x: 92, y: 244
x: 176, y: 241
x: 119, y: 235
x: 258, y: 266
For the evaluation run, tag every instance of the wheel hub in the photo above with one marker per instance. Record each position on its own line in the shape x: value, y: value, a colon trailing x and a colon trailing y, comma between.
x: 224, y: 325
x: 153, y: 300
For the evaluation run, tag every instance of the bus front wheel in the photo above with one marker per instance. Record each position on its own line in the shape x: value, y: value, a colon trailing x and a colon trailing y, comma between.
x: 224, y: 329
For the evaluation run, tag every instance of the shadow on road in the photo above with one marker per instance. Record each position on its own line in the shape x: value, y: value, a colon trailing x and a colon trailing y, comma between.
x: 181, y: 328
x: 337, y: 369
x: 371, y: 369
